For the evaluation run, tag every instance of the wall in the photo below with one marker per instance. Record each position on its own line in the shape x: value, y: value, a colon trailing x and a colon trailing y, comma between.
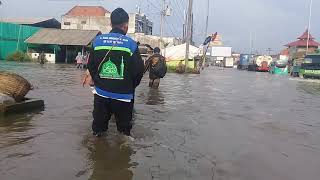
x: 138, y: 23
x: 101, y: 23
x: 51, y: 58
x: 12, y: 37
x: 298, y: 52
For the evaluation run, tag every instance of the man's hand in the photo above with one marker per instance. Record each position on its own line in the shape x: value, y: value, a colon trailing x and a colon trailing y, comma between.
x: 87, y: 79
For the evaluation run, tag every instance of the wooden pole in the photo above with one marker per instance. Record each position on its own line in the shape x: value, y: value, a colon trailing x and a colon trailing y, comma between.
x: 188, y: 39
x: 66, y: 55
x: 18, y: 42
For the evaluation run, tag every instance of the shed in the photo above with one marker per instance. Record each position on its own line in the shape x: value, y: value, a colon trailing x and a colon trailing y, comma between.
x: 68, y: 40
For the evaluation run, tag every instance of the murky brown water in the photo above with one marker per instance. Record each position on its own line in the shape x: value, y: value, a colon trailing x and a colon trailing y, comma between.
x: 222, y: 125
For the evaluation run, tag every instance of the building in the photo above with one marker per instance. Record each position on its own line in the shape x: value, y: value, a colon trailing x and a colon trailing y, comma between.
x: 217, y: 41
x: 87, y: 18
x: 98, y: 18
x: 34, y: 22
x: 60, y: 45
x: 140, y: 23
x: 300, y: 46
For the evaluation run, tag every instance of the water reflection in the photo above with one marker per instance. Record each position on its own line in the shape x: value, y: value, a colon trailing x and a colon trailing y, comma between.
x: 155, y: 97
x: 13, y: 129
x: 309, y: 87
x: 109, y: 159
x: 182, y: 129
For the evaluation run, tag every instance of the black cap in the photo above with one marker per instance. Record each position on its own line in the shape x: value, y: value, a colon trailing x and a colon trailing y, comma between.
x: 156, y: 50
x: 119, y: 16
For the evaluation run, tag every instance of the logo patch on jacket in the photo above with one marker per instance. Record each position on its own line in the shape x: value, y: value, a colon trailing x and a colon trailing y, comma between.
x: 109, y: 70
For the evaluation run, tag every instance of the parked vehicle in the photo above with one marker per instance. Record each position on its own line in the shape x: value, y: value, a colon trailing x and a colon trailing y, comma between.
x: 260, y: 63
x: 279, y: 67
x: 294, y: 71
x: 244, y: 61
x: 310, y: 68
x: 228, y: 62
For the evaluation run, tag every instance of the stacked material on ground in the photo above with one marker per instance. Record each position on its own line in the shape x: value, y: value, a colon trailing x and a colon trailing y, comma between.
x: 14, y: 86
x: 6, y: 100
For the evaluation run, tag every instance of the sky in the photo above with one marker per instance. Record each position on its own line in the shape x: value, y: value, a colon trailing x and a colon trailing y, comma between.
x: 271, y: 23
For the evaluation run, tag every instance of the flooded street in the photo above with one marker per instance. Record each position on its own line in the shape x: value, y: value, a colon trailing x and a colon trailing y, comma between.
x: 224, y: 124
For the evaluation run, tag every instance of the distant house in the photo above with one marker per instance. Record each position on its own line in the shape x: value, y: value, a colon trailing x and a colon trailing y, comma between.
x: 34, y: 22
x: 300, y: 46
x: 87, y: 18
x: 98, y: 18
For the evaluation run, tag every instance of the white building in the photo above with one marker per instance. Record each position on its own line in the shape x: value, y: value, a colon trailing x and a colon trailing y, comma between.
x: 98, y: 18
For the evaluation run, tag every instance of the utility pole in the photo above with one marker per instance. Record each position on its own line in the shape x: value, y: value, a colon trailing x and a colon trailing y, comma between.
x: 184, y: 26
x: 309, y: 25
x: 163, y: 11
x: 188, y: 39
x: 207, y: 20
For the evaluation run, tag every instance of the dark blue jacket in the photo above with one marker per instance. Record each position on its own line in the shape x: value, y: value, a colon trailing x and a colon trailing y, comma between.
x: 118, y: 73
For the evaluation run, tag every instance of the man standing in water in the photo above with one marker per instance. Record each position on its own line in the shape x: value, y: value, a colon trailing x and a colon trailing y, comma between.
x: 156, y: 64
x: 42, y: 58
x: 116, y: 68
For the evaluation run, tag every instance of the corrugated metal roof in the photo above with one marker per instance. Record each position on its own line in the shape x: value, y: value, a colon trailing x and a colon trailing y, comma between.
x: 63, y: 37
x: 87, y: 11
x: 24, y: 20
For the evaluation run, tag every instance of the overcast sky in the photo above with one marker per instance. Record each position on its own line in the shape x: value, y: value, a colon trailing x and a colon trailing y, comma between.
x: 273, y: 23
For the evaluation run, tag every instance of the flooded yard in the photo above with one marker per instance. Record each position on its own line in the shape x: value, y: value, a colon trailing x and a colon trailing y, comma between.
x: 224, y: 124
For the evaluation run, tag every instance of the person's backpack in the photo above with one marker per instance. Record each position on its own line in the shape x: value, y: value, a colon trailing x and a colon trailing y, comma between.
x: 160, y: 69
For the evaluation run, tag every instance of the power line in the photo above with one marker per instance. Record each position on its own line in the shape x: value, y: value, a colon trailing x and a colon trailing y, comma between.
x: 152, y: 4
x: 180, y: 13
x: 170, y: 27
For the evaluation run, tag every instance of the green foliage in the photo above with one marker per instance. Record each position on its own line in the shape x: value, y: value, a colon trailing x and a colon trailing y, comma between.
x: 19, y: 57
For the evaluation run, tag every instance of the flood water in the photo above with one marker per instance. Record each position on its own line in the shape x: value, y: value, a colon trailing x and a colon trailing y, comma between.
x: 224, y: 124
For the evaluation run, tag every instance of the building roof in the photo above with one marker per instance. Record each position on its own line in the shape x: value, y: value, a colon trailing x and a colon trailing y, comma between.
x: 87, y: 11
x: 303, y: 41
x: 63, y: 37
x: 305, y: 35
x: 26, y: 21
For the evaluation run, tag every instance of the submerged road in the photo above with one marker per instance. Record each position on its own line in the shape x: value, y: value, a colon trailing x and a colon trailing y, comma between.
x: 224, y: 124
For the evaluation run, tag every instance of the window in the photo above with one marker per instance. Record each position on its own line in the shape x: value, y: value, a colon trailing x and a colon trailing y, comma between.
x: 83, y: 22
x: 67, y: 23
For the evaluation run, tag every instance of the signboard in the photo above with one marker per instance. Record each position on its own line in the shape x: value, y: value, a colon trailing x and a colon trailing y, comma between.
x: 221, y: 51
x: 217, y: 41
